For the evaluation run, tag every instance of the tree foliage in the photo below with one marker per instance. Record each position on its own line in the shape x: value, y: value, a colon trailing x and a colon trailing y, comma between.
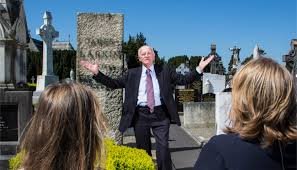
x: 34, y: 64
x: 194, y: 61
x: 174, y: 62
x: 63, y: 62
x: 247, y: 59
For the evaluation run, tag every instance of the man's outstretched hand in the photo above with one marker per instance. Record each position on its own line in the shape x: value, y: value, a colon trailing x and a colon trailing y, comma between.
x: 203, y: 63
x: 94, y: 68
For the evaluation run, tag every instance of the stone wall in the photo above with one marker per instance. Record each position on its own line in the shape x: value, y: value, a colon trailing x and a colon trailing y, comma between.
x: 100, y: 38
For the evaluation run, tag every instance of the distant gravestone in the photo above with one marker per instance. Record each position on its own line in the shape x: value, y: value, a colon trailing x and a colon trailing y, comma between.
x: 182, y: 69
x: 100, y: 38
x: 213, y: 83
x: 185, y: 95
x: 32, y: 79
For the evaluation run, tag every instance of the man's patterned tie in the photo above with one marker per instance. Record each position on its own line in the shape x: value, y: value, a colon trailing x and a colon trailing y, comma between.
x: 150, y: 91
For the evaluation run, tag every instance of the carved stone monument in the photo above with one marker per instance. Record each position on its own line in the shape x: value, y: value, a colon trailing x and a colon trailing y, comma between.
x: 216, y: 65
x: 48, y: 33
x: 291, y: 58
x: 100, y: 38
x: 235, y: 58
x: 15, y: 104
x: 13, y: 41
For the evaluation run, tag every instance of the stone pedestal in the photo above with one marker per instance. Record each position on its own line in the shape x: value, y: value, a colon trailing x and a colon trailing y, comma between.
x: 199, y: 114
x: 42, y: 82
x: 45, y: 80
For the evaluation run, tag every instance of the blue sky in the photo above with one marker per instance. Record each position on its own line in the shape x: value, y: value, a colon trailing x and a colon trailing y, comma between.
x: 186, y: 27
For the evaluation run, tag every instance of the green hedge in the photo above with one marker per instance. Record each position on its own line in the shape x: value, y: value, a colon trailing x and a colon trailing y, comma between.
x: 118, y: 158
x: 123, y: 157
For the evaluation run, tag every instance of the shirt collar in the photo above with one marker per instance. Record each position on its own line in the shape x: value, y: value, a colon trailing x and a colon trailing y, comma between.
x: 151, y: 68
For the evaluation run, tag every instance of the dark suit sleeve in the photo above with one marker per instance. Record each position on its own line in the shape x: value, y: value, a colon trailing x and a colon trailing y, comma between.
x: 117, y: 83
x: 210, y: 158
x: 180, y: 79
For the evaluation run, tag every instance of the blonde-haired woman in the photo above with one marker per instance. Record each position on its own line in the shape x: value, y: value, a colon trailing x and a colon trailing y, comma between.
x: 263, y: 130
x: 67, y: 130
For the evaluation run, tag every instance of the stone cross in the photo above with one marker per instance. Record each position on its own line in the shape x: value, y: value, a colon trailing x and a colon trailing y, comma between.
x: 33, y: 79
x: 182, y: 68
x: 48, y: 33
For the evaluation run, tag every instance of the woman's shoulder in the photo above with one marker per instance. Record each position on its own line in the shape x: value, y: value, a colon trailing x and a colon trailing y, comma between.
x: 225, y: 142
x: 224, y: 138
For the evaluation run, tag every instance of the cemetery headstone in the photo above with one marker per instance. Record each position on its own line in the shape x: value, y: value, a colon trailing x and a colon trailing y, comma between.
x: 185, y: 95
x: 100, y: 38
x: 32, y: 79
x: 216, y: 81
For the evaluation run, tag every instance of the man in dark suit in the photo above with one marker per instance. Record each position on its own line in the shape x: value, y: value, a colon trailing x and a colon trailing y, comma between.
x: 149, y: 102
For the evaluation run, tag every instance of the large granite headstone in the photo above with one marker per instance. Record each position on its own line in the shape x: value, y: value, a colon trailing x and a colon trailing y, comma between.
x: 100, y: 38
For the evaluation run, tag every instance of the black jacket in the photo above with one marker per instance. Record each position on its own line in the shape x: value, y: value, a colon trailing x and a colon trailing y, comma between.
x: 224, y: 152
x: 167, y: 77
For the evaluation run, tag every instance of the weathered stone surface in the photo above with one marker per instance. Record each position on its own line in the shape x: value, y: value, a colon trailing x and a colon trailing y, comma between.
x: 213, y: 83
x: 13, y: 41
x: 223, y: 105
x: 48, y: 33
x: 199, y: 114
x: 100, y: 38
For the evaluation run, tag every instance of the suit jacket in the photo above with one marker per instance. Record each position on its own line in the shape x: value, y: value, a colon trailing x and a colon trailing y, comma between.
x: 167, y: 78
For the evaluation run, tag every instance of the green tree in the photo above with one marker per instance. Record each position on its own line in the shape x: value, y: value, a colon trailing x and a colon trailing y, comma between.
x: 174, y: 62
x: 247, y: 59
x: 63, y: 62
x: 194, y: 61
x: 34, y: 64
